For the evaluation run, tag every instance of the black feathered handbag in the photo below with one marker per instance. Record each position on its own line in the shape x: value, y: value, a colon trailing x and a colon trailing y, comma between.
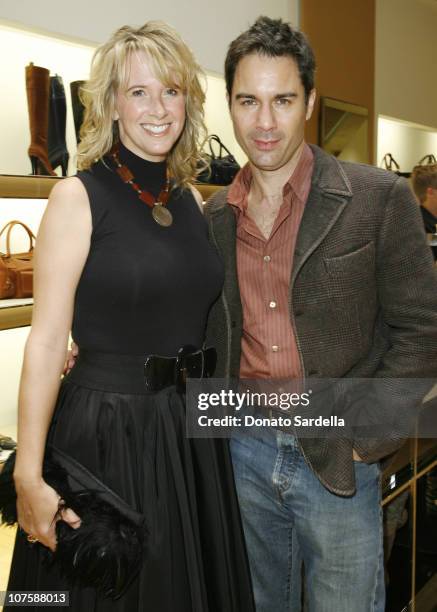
x: 106, y: 551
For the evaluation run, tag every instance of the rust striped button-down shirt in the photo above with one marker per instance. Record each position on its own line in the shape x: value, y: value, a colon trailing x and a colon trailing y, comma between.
x: 269, y: 348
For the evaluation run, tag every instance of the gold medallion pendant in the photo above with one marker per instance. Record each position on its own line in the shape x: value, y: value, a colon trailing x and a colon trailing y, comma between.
x: 162, y: 215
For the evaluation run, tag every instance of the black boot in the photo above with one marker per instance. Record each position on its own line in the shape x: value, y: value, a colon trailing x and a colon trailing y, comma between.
x: 78, y: 107
x: 58, y: 154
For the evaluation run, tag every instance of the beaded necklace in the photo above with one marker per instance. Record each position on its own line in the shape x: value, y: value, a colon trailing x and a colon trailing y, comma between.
x: 160, y: 213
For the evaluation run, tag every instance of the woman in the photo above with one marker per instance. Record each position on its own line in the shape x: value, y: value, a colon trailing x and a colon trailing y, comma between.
x: 124, y: 261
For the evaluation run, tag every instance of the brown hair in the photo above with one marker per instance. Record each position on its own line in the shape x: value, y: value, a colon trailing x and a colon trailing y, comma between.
x: 422, y: 178
x: 272, y: 38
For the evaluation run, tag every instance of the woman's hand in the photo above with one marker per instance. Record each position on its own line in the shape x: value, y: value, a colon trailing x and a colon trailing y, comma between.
x: 70, y: 360
x: 37, y: 509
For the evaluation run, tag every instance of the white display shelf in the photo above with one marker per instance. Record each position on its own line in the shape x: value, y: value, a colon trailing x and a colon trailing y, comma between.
x: 17, y: 302
x: 18, y: 313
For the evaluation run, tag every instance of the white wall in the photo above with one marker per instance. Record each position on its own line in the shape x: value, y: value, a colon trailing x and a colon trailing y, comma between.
x: 208, y: 27
x: 405, y: 80
x: 12, y: 343
x: 407, y: 143
x: 27, y: 210
x: 71, y: 61
x: 405, y: 60
x: 12, y: 340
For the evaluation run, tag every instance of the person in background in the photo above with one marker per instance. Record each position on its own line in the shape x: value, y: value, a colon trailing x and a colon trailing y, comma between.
x: 424, y: 181
x: 124, y: 261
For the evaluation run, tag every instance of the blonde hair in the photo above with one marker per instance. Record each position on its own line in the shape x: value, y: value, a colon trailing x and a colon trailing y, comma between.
x: 173, y: 64
x: 422, y: 178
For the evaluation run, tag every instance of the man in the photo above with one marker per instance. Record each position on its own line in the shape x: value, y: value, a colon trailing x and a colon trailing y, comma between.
x: 424, y: 180
x: 327, y: 276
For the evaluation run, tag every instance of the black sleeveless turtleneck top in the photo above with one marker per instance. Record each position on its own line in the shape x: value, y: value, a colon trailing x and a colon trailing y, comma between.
x: 145, y: 289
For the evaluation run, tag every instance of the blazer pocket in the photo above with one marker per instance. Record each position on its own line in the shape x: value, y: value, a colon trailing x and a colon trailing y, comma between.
x: 351, y: 258
x: 351, y: 274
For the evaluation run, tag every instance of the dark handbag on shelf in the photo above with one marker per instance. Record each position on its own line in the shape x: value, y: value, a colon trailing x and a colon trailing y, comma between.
x: 16, y: 269
x: 427, y: 160
x: 389, y: 163
x: 106, y: 551
x: 222, y: 168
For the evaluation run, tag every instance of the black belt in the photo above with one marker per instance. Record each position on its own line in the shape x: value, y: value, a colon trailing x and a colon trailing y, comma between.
x: 140, y: 374
x: 161, y: 372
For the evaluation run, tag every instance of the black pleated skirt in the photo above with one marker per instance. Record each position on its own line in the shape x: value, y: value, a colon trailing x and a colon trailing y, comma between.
x: 136, y: 444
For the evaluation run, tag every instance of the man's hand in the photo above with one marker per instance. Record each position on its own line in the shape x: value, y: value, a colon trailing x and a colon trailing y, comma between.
x: 355, y: 455
x: 71, y: 358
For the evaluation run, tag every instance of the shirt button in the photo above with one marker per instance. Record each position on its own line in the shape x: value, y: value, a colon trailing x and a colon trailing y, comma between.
x: 272, y: 304
x: 267, y: 258
x: 275, y: 348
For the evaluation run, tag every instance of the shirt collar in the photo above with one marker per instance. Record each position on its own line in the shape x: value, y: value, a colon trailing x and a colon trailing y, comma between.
x: 299, y: 182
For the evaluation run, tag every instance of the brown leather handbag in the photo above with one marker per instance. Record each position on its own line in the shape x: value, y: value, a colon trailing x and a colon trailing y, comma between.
x: 16, y: 269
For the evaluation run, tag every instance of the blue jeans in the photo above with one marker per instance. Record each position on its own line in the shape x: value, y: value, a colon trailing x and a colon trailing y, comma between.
x: 338, y: 538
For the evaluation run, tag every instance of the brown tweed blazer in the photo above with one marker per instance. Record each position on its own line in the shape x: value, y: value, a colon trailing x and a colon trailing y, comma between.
x: 363, y: 298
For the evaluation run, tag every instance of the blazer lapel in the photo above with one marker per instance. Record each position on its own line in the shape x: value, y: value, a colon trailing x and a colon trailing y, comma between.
x: 329, y: 194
